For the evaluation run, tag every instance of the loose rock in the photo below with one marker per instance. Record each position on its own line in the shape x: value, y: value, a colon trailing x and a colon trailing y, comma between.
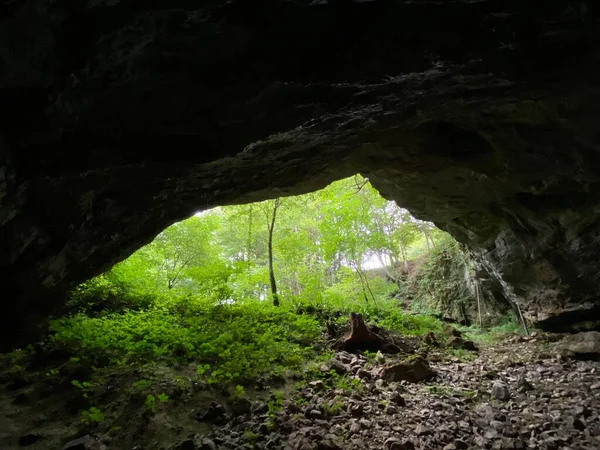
x: 500, y: 391
x: 414, y: 370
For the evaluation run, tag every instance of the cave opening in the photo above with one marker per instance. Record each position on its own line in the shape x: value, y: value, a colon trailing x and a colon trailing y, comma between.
x: 122, y: 118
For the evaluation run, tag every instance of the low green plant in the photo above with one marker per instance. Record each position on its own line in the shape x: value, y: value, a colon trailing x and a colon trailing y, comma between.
x: 53, y: 375
x: 345, y: 383
x: 19, y: 357
x: 250, y: 436
x: 300, y: 401
x: 335, y: 407
x: 238, y: 392
x: 510, y: 325
x: 84, y: 386
x: 274, y: 405
x: 141, y: 385
x: 464, y: 355
x: 150, y: 403
x: 231, y: 343
x: 92, y: 416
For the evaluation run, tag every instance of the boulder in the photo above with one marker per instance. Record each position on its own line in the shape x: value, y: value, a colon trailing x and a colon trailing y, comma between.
x: 413, y: 369
x: 215, y: 413
x: 585, y: 345
x: 241, y: 406
x: 460, y: 343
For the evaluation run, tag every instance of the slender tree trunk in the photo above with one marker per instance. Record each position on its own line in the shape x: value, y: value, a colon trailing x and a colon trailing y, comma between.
x: 386, y: 267
x: 404, y: 257
x: 249, y: 241
x: 363, y: 280
x: 426, y: 240
x: 271, y: 271
x: 478, y: 302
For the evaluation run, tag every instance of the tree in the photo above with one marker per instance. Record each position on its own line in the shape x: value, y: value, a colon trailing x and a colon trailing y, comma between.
x: 271, y: 228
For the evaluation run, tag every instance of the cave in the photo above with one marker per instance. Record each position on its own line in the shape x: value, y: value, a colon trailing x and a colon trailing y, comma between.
x: 121, y: 117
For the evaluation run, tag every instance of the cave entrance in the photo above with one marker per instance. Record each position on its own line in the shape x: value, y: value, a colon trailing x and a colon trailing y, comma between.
x: 344, y: 244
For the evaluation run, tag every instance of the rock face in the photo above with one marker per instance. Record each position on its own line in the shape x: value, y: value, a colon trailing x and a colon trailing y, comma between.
x: 583, y: 345
x: 121, y: 117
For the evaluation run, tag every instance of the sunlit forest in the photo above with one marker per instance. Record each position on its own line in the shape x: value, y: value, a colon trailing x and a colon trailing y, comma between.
x: 342, y: 244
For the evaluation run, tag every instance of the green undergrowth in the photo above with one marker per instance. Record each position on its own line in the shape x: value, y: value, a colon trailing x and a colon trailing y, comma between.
x: 118, y: 367
x: 506, y: 327
x: 383, y: 312
x: 227, y: 344
x: 230, y: 343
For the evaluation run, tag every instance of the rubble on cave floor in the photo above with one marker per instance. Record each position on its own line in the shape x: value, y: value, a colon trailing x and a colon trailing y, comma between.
x: 521, y: 393
x: 513, y: 395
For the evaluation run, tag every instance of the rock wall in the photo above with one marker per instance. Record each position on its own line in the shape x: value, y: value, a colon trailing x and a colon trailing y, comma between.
x: 120, y: 117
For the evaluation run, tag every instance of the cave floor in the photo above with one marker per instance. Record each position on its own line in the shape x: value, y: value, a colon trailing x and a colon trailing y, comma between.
x: 554, y: 404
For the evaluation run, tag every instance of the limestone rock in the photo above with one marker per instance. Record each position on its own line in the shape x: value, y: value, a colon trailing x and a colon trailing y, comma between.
x: 215, y: 413
x: 414, y: 370
x: 500, y: 391
x: 460, y: 343
x: 584, y: 344
x: 82, y: 443
x: 29, y: 439
x: 241, y: 406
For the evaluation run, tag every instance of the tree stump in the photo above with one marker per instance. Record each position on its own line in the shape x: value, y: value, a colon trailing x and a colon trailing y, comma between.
x: 360, y: 337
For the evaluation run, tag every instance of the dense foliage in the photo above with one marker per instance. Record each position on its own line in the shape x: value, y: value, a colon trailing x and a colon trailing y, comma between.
x: 325, y: 245
x: 199, y: 299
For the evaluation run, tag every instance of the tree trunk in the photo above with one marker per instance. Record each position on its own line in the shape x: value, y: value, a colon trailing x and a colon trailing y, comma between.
x: 426, y: 240
x: 271, y: 271
x: 404, y: 258
x: 249, y: 241
x: 359, y: 337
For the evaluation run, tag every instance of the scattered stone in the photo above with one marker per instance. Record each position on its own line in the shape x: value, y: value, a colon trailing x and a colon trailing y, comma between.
x: 414, y: 370
x: 491, y: 434
x: 579, y: 424
x: 315, y: 414
x: 29, y: 439
x: 82, y: 443
x: 523, y: 385
x: 339, y: 367
x: 215, y: 413
x: 363, y: 374
x: 396, y: 398
x: 560, y: 413
x: 188, y: 444
x: 241, y: 406
x: 500, y: 391
x: 460, y: 343
x: 460, y: 444
x: 317, y: 384
x: 391, y: 409
x: 205, y: 443
x: 259, y: 408
x: 422, y: 429
x: 394, y: 444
